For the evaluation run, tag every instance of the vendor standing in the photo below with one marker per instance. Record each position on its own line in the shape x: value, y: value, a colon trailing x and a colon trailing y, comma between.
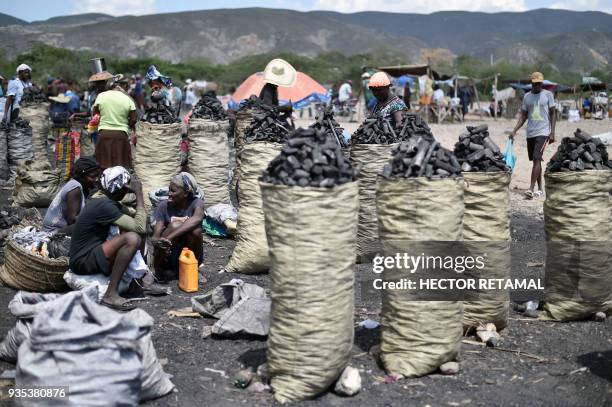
x: 159, y: 82
x: 118, y: 118
x: 15, y: 91
x: 278, y: 72
x: 177, y: 223
x: 388, y: 105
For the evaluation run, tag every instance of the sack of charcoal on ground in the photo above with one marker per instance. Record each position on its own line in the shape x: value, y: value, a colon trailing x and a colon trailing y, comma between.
x: 18, y: 135
x: 208, y: 157
x: 310, y: 202
x: 578, y: 230
x: 419, y: 188
x: 486, y: 223
x: 263, y: 140
x: 370, y: 150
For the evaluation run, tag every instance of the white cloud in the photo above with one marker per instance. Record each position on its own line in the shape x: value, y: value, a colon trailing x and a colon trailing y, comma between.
x: 115, y: 7
x: 583, y: 5
x: 421, y: 6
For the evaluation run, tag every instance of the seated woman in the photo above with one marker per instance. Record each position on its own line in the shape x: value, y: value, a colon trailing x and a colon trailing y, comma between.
x: 177, y: 223
x: 388, y: 106
x: 70, y: 200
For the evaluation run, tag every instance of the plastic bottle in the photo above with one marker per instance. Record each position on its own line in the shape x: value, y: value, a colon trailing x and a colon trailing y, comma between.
x: 188, y: 271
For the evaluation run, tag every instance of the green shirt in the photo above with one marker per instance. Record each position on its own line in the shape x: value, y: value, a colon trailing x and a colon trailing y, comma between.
x: 115, y: 107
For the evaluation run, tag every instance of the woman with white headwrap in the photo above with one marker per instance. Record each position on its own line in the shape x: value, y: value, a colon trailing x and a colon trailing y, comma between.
x: 178, y: 224
x: 90, y: 252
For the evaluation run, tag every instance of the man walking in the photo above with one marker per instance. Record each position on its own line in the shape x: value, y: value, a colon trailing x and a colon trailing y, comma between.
x: 539, y: 111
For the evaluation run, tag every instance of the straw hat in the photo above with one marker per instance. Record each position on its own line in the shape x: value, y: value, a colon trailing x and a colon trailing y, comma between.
x: 61, y: 98
x: 537, y: 77
x: 379, y: 80
x: 280, y: 73
x: 102, y: 76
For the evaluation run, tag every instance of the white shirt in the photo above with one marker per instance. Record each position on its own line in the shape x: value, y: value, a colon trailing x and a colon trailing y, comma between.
x: 345, y: 92
x: 438, y: 95
x: 15, y: 88
x: 190, y: 97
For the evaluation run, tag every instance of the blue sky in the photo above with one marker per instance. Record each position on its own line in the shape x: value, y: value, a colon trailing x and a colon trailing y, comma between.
x: 43, y: 9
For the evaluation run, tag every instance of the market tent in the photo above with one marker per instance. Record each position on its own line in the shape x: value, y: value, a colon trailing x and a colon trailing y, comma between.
x: 525, y: 85
x: 413, y: 70
x: 305, y: 91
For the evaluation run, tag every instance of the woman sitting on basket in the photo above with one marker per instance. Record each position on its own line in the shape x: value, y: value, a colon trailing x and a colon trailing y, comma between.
x: 70, y: 200
x: 177, y: 223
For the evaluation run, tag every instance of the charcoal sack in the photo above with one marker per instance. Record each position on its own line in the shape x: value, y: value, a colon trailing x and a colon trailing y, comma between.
x: 250, y: 254
x: 157, y: 155
x: 19, y: 141
x: 369, y: 160
x: 578, y: 227
x: 418, y: 336
x: 4, y: 165
x: 209, y: 158
x: 312, y: 276
x: 38, y: 116
x: 486, y: 229
x: 36, y: 184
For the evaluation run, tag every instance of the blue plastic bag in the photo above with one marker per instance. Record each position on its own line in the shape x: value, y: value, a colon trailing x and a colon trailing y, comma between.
x: 509, y: 155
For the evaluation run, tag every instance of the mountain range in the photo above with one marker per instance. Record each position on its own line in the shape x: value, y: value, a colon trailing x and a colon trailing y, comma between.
x: 570, y: 40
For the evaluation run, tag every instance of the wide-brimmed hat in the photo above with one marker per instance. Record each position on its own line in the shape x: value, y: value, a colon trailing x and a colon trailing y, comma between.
x: 61, y: 98
x: 121, y: 78
x: 280, y: 73
x: 537, y: 77
x: 102, y: 76
x: 23, y: 67
x: 379, y: 80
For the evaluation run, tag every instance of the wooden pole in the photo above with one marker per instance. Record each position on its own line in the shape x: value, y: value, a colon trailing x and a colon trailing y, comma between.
x: 495, y: 97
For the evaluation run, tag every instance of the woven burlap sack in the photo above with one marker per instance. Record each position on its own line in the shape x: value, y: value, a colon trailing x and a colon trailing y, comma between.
x: 157, y: 156
x: 38, y: 116
x: 243, y: 121
x: 369, y: 160
x: 36, y: 184
x: 578, y: 252
x: 209, y: 158
x: 311, y: 233
x: 486, y: 230
x: 418, y: 336
x: 4, y: 165
x: 250, y: 254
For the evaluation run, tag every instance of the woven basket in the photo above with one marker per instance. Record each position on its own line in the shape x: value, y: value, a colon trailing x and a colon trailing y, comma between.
x: 27, y: 271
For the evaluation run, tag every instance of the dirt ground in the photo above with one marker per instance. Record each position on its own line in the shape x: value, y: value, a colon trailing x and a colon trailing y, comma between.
x: 537, y: 363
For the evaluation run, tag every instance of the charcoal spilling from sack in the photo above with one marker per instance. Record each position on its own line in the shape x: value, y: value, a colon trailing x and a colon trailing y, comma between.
x: 326, y: 123
x: 381, y: 131
x: 310, y: 158
x: 579, y: 153
x: 476, y: 151
x: 267, y: 126
x: 422, y: 157
x: 18, y: 123
x: 33, y: 95
x: 209, y: 107
x: 158, y: 112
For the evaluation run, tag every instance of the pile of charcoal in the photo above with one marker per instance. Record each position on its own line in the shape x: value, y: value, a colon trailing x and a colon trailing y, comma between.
x: 266, y: 126
x: 477, y: 152
x: 14, y: 215
x: 310, y: 158
x: 158, y: 112
x: 33, y: 95
x: 209, y: 107
x: 19, y: 123
x: 326, y: 123
x: 422, y: 157
x: 579, y: 153
x: 253, y: 102
x: 381, y: 131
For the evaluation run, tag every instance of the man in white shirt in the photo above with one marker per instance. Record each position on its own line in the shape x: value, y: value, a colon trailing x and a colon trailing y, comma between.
x: 438, y: 95
x: 345, y: 92
x: 15, y: 91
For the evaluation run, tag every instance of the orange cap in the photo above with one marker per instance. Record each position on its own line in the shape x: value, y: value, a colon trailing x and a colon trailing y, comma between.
x: 537, y: 77
x: 379, y: 80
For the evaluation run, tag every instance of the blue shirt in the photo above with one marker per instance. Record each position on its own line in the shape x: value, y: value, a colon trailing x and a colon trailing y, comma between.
x: 75, y: 101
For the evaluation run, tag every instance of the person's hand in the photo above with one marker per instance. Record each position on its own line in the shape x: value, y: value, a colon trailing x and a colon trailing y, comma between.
x: 134, y: 138
x: 551, y: 138
x: 162, y: 243
x: 511, y: 135
x: 135, y: 185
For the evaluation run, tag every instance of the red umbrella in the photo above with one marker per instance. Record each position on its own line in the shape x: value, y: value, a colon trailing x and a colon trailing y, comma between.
x: 305, y: 87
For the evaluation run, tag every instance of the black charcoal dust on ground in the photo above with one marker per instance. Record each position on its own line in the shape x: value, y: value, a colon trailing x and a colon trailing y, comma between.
x: 310, y: 158
x: 579, y: 153
x: 476, y: 151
